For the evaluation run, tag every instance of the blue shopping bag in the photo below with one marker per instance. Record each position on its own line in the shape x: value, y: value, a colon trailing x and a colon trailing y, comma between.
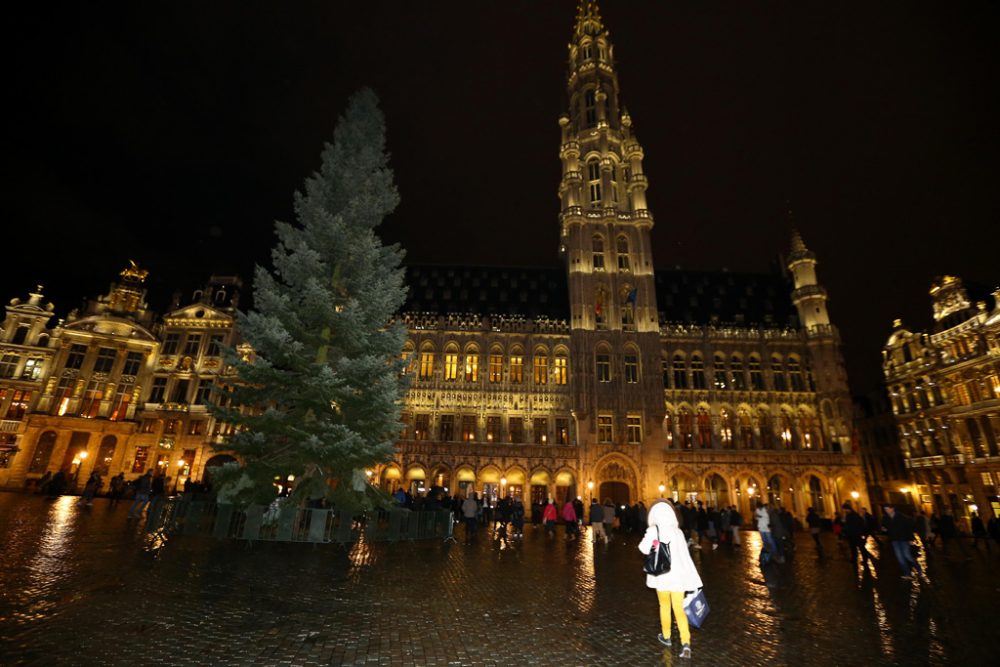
x: 696, y: 607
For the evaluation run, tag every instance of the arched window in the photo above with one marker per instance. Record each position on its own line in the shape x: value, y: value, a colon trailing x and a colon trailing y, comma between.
x: 807, y: 427
x: 560, y: 368
x: 622, y: 250
x: 516, y: 365
x: 795, y: 374
x: 668, y: 429
x: 787, y: 431
x: 746, y: 430
x: 105, y: 454
x: 597, y: 252
x: 628, y: 297
x: 472, y: 364
x: 680, y: 372
x: 815, y: 493
x: 426, y: 362
x: 603, y: 364
x: 589, y: 101
x: 726, y: 428
x: 496, y: 364
x: 451, y: 363
x: 778, y: 374
x: 736, y: 370
x: 594, y: 181
x: 685, y: 423
x: 43, y: 452
x: 698, y: 372
x: 721, y: 380
x: 631, y: 366
x: 541, y: 366
x: 765, y: 429
x: 704, y: 429
x: 756, y: 375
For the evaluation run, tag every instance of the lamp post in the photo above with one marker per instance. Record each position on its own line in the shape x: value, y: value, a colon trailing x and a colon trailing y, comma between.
x: 662, y: 488
x: 590, y: 489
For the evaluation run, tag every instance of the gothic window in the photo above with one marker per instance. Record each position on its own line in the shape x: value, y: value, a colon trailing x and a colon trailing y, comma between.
x: 541, y: 367
x: 631, y: 367
x: 540, y: 429
x: 680, y: 372
x: 605, y: 429
x: 778, y: 374
x: 668, y: 429
x: 594, y: 181
x: 726, y: 428
x: 746, y: 430
x: 560, y: 371
x: 468, y: 428
x: 516, y: 366
x: 795, y: 374
x: 426, y: 364
x: 721, y: 381
x: 472, y: 365
x: 764, y: 427
x: 806, y: 428
x: 590, y: 102
x: 562, y: 431
x: 446, y: 431
x: 421, y: 426
x: 736, y: 370
x: 603, y: 361
x: 685, y: 423
x: 451, y: 363
x: 698, y: 372
x: 597, y: 251
x: 516, y: 429
x: 756, y: 375
x: 787, y: 433
x: 496, y: 366
x: 704, y: 429
x: 622, y: 250
x: 493, y: 429
x: 105, y: 360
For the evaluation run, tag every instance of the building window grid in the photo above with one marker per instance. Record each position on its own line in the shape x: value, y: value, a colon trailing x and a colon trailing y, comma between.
x: 541, y: 368
x: 8, y: 365
x: 540, y: 430
x: 496, y: 368
x: 631, y: 368
x: 451, y: 366
x: 634, y: 430
x: 605, y: 429
x: 472, y: 367
x: 560, y: 370
x: 426, y: 365
x: 603, y: 362
x: 516, y: 368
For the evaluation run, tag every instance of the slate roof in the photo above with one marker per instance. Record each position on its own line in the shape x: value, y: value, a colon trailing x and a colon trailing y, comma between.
x: 689, y: 297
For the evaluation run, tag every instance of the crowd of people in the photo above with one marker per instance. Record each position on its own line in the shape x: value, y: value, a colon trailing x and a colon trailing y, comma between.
x: 143, y: 490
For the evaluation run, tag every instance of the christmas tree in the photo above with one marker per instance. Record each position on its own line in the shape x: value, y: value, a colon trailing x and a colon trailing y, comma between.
x: 319, y: 395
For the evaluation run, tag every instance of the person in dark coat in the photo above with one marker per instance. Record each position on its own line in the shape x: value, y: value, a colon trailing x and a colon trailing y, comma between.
x: 899, y: 530
x: 815, y: 525
x: 854, y: 532
x: 57, y: 484
x: 978, y: 530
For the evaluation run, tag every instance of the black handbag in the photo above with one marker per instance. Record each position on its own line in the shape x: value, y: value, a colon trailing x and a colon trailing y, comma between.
x: 658, y: 558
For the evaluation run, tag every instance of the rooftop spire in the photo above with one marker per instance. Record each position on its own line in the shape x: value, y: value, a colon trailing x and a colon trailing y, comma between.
x: 588, y: 18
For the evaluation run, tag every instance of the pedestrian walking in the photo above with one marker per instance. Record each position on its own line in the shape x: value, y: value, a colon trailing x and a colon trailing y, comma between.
x: 683, y: 575
x: 609, y: 517
x: 143, y: 489
x: 871, y: 525
x: 89, y: 489
x: 900, y: 533
x: 569, y: 517
x: 815, y: 525
x: 517, y: 517
x: 116, y: 488
x: 597, y: 522
x: 735, y: 522
x: 550, y: 515
x: 978, y: 531
x: 768, y: 547
x: 470, y: 511
x: 855, y: 533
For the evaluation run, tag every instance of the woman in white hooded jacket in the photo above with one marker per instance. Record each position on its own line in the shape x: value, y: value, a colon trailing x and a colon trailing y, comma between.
x: 682, y: 577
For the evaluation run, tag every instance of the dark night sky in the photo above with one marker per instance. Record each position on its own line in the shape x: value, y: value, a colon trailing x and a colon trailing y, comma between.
x: 175, y: 134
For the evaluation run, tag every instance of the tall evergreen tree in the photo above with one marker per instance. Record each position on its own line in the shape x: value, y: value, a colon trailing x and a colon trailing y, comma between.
x: 320, y: 396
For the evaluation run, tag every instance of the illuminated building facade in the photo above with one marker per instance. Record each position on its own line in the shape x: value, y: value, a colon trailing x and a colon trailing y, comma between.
x: 610, y: 378
x: 945, y: 392
x: 111, y: 389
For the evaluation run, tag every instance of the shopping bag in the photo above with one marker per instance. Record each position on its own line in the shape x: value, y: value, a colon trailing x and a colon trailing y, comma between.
x: 696, y: 607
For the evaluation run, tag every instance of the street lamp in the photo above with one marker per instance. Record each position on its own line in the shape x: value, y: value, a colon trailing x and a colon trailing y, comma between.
x: 590, y: 488
x: 855, y: 495
x: 662, y: 488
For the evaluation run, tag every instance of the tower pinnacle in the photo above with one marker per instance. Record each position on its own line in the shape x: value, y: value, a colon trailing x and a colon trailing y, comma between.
x: 588, y: 18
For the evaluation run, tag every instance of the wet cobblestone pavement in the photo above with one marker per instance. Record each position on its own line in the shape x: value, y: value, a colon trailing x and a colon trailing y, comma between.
x: 82, y: 586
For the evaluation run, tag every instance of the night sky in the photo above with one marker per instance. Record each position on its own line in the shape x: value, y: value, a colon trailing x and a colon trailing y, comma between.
x: 175, y: 134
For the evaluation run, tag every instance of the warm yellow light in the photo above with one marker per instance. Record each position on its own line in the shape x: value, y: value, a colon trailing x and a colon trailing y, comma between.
x: 503, y: 481
x: 855, y: 495
x: 590, y: 485
x: 369, y: 473
x: 662, y: 488
x: 291, y: 478
x: 973, y: 507
x: 750, y: 491
x: 83, y: 455
x: 181, y: 463
x: 905, y: 489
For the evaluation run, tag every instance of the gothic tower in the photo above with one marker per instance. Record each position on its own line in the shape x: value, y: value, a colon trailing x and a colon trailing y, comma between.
x: 605, y: 241
x: 823, y: 340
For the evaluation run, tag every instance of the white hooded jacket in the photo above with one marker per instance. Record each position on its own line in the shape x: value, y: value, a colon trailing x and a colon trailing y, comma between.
x: 683, y: 575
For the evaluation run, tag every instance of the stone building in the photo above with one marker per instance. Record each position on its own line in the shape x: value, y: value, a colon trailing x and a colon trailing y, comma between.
x: 945, y: 391
x: 610, y: 378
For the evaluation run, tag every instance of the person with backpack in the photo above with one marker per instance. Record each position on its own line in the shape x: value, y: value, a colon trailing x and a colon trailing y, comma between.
x: 682, y: 576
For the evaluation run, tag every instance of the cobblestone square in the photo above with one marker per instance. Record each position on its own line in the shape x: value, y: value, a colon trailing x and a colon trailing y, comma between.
x: 83, y: 586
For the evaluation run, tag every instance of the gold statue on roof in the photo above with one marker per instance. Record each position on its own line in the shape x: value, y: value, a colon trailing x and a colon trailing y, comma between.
x: 133, y: 273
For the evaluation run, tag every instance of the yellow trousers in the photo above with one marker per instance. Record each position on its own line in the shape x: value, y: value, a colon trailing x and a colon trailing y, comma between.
x: 673, y: 599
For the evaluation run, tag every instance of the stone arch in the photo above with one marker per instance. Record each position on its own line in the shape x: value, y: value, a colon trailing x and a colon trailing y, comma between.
x: 390, y: 477
x: 517, y: 480
x: 616, y: 477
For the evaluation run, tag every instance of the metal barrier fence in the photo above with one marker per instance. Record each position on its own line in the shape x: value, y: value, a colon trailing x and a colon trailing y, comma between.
x: 184, y: 517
